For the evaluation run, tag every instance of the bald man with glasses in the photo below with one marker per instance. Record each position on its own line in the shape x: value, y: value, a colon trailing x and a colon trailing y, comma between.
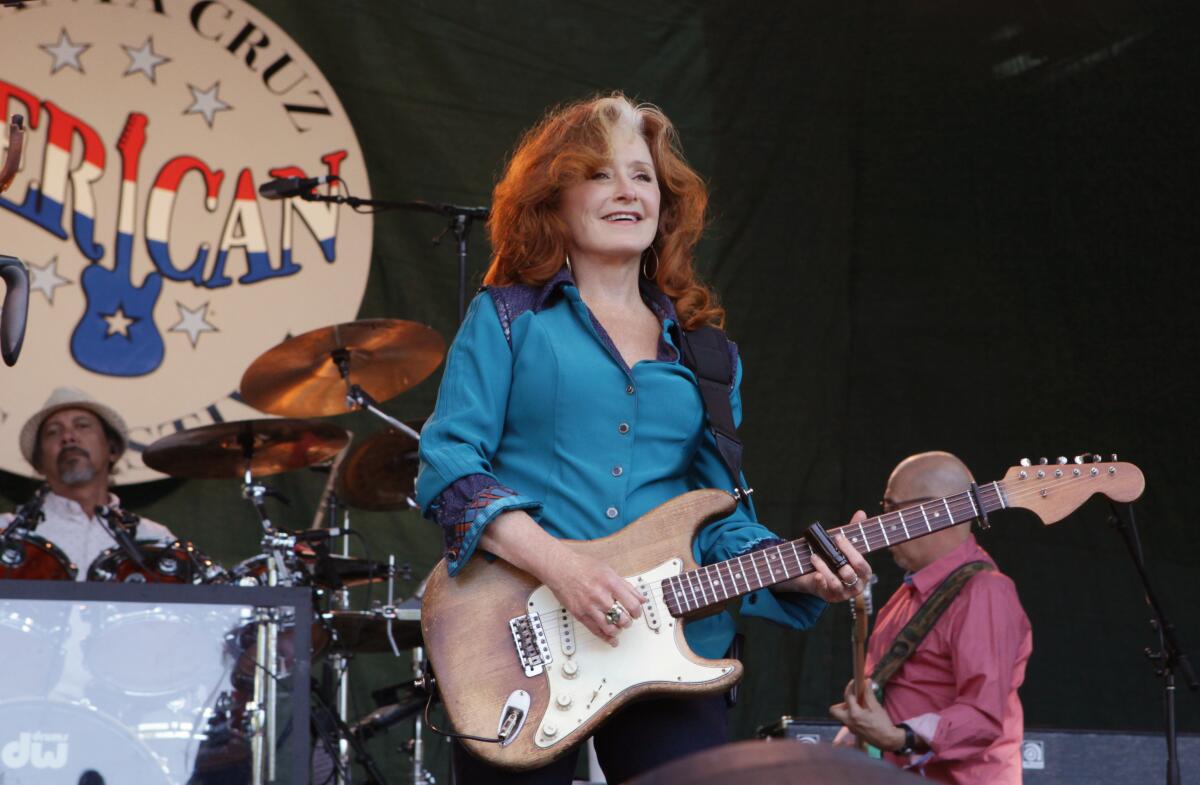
x: 950, y: 710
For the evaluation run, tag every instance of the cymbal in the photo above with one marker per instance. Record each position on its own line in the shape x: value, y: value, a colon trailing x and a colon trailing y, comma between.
x: 224, y: 449
x: 350, y: 570
x: 367, y: 631
x: 380, y: 472
x: 300, y: 377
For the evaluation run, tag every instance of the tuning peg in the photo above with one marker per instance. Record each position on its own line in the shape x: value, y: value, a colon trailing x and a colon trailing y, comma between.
x: 1042, y: 461
x: 1062, y: 459
x: 1114, y: 456
x: 1096, y: 457
x: 1026, y: 462
x: 1078, y: 459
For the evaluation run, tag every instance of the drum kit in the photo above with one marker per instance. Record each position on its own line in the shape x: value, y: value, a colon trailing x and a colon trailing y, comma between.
x: 327, y: 371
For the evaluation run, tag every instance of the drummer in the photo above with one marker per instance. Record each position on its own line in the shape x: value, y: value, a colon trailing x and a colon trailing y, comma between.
x: 75, y: 442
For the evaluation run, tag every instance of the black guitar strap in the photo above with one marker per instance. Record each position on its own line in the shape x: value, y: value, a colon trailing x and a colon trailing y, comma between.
x: 706, y: 353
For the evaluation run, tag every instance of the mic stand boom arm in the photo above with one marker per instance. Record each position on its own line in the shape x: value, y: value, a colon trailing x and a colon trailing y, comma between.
x: 460, y: 220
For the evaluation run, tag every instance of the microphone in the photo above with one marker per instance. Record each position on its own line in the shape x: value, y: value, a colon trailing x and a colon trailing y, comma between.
x: 316, y: 535
x: 116, y: 529
x: 386, y: 716
x: 16, y: 308
x: 284, y: 187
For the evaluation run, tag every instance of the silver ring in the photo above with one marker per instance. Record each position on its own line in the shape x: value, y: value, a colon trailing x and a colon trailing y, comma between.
x: 613, y: 614
x: 850, y: 583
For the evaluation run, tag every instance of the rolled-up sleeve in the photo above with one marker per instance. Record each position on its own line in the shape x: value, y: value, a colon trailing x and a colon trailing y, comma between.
x: 740, y: 532
x: 455, y: 484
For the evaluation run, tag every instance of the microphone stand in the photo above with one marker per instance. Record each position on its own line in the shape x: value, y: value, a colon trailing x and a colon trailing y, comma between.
x: 460, y: 221
x: 1170, y: 656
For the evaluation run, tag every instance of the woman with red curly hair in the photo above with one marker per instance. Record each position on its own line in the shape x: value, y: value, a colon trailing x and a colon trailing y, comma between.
x: 565, y: 411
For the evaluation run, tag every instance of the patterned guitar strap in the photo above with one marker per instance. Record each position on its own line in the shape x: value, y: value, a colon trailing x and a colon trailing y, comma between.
x: 922, y: 622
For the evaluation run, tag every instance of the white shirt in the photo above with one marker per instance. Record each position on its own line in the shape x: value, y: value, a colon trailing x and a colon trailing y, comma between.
x: 82, y: 536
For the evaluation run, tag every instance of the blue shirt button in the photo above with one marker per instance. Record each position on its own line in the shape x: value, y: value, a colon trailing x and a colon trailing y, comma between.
x: 611, y: 512
x: 623, y: 428
x: 629, y: 390
x: 618, y: 471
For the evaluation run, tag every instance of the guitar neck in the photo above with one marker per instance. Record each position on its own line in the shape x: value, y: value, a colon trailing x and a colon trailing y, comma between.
x: 715, y: 584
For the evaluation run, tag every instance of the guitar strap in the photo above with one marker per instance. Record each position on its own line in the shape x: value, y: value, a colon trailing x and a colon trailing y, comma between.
x: 706, y: 354
x: 922, y: 622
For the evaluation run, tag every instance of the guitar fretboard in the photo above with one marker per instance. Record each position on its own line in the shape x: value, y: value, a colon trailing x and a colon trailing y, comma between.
x: 715, y: 584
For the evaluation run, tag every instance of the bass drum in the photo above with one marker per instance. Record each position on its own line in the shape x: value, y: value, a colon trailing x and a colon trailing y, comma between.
x: 55, y: 743
x: 27, y: 556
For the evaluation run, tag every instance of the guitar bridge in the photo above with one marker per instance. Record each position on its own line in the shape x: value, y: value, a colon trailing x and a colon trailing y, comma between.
x: 530, y: 639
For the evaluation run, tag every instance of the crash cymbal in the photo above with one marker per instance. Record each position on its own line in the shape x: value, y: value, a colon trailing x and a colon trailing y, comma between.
x: 224, y: 449
x: 379, y: 473
x: 367, y: 631
x: 301, y: 378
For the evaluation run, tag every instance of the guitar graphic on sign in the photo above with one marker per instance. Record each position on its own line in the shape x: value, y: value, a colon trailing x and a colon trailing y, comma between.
x: 116, y: 335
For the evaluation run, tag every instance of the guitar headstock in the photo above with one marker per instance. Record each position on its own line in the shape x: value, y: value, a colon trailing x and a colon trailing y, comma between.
x: 1052, y: 491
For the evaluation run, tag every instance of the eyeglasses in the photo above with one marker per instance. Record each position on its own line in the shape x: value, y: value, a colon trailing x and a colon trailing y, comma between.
x: 890, y: 505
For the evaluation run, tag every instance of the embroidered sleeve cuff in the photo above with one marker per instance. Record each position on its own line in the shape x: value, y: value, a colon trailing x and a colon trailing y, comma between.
x: 466, y: 507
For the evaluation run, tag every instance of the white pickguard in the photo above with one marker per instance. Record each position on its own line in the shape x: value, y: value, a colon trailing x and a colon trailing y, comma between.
x: 602, y: 672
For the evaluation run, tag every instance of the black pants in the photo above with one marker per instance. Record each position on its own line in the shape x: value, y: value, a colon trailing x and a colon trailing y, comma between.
x: 636, y: 739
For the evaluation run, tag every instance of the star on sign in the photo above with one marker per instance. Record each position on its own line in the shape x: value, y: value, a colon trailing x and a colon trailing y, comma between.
x: 144, y: 60
x: 206, y: 102
x: 118, y: 323
x: 192, y: 322
x: 45, y: 279
x: 65, y: 53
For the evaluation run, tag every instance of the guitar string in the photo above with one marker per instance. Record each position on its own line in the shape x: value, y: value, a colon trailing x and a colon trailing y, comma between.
x: 960, y: 503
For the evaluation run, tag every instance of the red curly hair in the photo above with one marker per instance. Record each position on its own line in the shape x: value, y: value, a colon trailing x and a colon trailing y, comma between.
x: 530, y: 239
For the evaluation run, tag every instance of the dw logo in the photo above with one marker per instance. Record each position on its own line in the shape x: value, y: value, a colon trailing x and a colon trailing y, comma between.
x: 40, y: 750
x: 157, y: 272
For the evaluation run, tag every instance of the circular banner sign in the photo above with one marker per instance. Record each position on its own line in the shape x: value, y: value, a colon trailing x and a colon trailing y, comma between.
x: 158, y: 272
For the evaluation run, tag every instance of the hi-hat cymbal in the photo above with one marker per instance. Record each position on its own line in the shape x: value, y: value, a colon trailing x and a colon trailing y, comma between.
x: 301, y: 378
x: 225, y: 449
x: 367, y: 631
x: 379, y: 472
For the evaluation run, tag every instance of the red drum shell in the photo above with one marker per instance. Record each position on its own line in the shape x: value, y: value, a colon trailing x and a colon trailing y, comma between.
x: 178, y: 562
x: 27, y: 556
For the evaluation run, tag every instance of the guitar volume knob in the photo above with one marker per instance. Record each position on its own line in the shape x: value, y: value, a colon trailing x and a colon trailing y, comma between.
x: 570, y: 669
x: 563, y: 700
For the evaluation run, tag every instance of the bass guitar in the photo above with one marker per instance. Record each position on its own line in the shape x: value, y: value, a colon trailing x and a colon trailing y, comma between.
x: 527, y: 682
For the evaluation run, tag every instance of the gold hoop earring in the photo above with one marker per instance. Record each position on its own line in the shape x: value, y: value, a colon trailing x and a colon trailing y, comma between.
x: 646, y: 265
x: 568, y: 258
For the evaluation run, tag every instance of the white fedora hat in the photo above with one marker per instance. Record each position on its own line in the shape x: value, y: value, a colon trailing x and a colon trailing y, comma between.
x: 71, y: 398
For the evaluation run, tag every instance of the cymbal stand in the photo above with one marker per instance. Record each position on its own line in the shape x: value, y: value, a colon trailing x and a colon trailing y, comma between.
x: 340, y: 662
x: 263, y: 710
x: 358, y: 398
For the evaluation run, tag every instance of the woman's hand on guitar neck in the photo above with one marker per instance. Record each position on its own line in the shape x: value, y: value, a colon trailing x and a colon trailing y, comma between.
x: 848, y: 582
x: 587, y: 587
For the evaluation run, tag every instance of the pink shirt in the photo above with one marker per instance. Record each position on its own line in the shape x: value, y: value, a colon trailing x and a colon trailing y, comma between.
x: 958, y: 690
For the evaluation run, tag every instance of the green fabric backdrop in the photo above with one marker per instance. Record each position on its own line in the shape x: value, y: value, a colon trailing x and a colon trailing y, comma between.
x: 920, y: 246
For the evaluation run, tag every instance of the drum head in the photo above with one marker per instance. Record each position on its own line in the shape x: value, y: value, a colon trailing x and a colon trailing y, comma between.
x: 50, y: 743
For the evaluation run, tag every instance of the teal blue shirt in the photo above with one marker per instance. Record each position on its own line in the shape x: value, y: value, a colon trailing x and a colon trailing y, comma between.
x: 541, y: 413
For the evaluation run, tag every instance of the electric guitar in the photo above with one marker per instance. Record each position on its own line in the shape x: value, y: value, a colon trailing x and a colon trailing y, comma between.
x: 520, y: 674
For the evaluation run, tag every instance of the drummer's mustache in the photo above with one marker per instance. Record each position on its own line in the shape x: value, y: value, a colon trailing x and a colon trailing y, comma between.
x: 68, y: 451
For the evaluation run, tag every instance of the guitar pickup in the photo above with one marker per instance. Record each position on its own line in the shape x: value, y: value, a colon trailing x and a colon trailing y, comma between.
x: 566, y: 632
x: 530, y: 639
x: 649, y: 605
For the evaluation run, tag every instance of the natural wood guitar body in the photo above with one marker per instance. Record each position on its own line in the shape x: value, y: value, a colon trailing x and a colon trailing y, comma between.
x: 465, y: 621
